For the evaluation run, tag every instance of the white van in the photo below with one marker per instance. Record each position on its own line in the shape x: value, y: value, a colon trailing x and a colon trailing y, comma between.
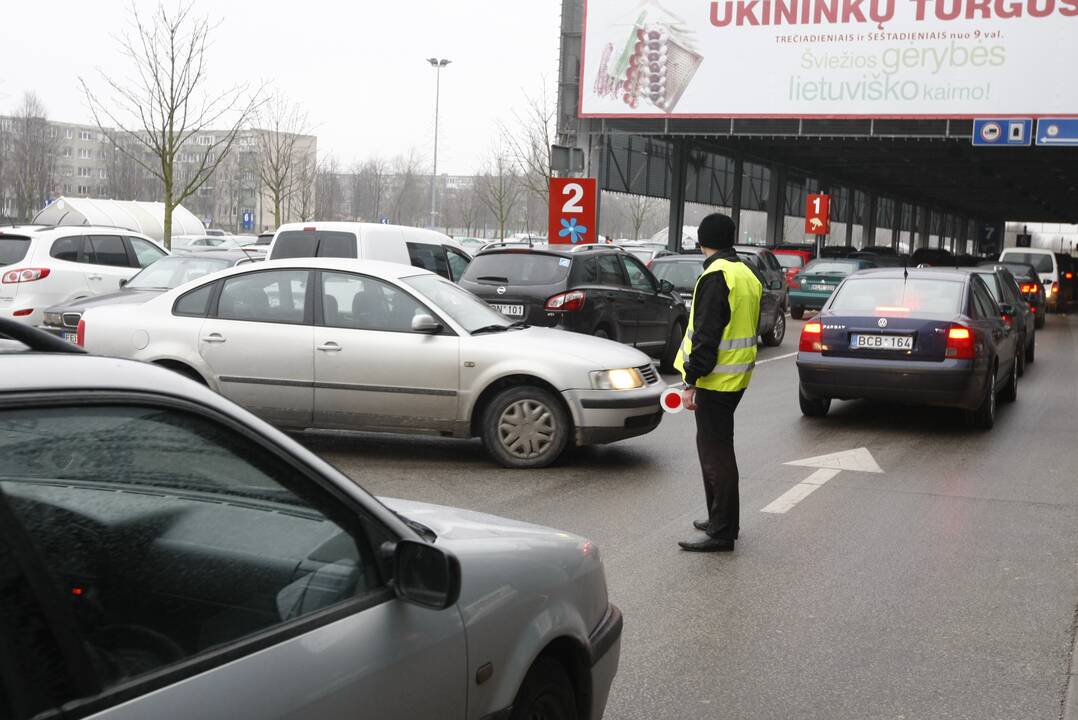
x: 425, y: 249
x: 1047, y: 267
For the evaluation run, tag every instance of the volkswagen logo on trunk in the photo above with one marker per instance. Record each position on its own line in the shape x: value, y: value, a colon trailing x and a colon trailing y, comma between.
x: 501, y: 290
x: 882, y: 323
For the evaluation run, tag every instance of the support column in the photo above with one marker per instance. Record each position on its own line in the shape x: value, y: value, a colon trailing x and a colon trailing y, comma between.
x: 776, y: 206
x: 926, y: 224
x: 872, y: 211
x: 739, y: 184
x: 679, y: 178
x: 601, y: 176
x: 851, y: 210
x: 896, y: 225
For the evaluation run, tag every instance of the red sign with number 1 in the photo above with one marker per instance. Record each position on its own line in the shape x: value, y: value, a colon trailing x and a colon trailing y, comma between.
x: 818, y: 215
x: 572, y: 211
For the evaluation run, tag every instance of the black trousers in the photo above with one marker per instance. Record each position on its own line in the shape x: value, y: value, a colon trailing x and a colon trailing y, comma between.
x: 715, y: 445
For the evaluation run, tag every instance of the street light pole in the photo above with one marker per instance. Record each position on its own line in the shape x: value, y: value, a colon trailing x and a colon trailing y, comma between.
x: 437, y: 64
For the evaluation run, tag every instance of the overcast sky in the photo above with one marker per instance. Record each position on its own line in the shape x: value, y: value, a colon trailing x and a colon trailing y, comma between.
x: 359, y: 68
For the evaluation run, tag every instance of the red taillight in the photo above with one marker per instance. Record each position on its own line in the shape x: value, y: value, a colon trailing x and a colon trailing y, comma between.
x: 23, y: 313
x: 1033, y: 308
x: 23, y: 275
x: 1007, y: 319
x: 960, y: 343
x: 566, y: 302
x: 80, y: 334
x: 795, y: 282
x: 811, y: 338
x: 309, y: 229
x: 1068, y: 276
x: 1029, y: 288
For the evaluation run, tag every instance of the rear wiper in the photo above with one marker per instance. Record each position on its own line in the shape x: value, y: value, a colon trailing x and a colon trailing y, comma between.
x: 493, y: 278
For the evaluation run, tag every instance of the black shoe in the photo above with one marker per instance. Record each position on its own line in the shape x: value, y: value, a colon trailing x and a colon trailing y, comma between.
x: 708, y: 544
x: 701, y: 525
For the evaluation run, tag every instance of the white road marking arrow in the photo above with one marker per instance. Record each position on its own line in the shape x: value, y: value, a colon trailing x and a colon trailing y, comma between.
x: 829, y: 466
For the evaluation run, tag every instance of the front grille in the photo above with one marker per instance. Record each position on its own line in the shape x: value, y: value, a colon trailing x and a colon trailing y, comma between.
x: 71, y: 319
x: 648, y: 373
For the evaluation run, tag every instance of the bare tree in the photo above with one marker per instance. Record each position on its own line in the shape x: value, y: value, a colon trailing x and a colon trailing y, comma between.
x: 327, y: 190
x: 33, y: 156
x: 408, y: 197
x: 369, y: 184
x: 639, y: 208
x: 166, y: 103
x: 500, y: 190
x: 280, y: 126
x: 5, y: 151
x: 528, y: 143
x: 303, y: 199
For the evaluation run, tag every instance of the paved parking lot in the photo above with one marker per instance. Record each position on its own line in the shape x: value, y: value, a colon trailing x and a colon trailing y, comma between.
x: 945, y: 586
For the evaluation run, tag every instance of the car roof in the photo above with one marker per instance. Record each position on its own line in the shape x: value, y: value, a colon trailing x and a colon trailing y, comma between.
x: 1038, y: 251
x: 568, y: 251
x: 376, y: 268
x: 756, y: 249
x: 229, y: 254
x: 421, y: 234
x: 73, y: 229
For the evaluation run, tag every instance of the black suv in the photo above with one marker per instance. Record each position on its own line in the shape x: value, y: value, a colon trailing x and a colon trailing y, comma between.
x: 597, y: 290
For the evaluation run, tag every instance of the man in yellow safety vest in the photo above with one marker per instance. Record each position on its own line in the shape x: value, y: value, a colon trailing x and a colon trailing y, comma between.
x: 716, y: 362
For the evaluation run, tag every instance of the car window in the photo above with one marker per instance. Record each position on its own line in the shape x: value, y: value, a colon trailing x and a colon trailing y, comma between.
x: 170, y: 534
x: 173, y: 271
x: 682, y: 275
x: 458, y: 263
x: 517, y: 268
x: 194, y: 303
x: 772, y: 263
x: 585, y: 271
x: 277, y: 296
x: 639, y: 278
x: 832, y: 267
x: 466, y: 309
x: 866, y: 295
x: 13, y: 249
x: 429, y: 257
x: 992, y: 282
x: 610, y: 272
x: 986, y: 307
x: 358, y: 302
x: 70, y: 249
x: 337, y: 245
x: 310, y: 243
x: 1041, y: 262
x: 147, y: 253
x: 790, y: 261
x: 109, y: 250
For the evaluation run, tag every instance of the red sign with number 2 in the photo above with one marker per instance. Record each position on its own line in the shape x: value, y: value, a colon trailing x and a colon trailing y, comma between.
x: 572, y: 211
x: 818, y: 215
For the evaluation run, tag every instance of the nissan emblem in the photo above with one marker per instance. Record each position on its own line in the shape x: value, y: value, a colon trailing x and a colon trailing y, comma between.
x: 501, y: 290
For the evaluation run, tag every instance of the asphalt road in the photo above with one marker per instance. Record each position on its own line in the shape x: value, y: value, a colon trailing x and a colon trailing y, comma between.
x: 944, y: 587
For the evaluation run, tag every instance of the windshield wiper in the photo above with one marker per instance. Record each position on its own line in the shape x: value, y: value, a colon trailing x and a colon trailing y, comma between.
x: 491, y: 328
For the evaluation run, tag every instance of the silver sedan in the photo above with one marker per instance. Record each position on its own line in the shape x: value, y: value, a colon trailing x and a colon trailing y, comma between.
x: 325, y: 343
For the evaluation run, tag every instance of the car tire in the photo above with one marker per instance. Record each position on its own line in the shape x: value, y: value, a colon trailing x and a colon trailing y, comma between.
x: 602, y: 334
x: 813, y: 407
x: 797, y: 312
x: 1031, y: 351
x: 673, y: 347
x: 1010, y: 392
x: 1020, y: 358
x: 1039, y: 322
x: 541, y: 422
x: 773, y: 338
x: 545, y: 694
x: 984, y: 416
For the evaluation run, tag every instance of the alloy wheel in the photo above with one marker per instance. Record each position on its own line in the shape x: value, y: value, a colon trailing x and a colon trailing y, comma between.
x: 526, y: 428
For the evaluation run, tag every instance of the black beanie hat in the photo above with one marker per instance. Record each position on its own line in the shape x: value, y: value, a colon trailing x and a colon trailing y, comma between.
x: 717, y: 232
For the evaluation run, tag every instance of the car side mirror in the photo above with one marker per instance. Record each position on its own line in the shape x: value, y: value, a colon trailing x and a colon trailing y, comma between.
x: 666, y: 287
x: 424, y: 323
x: 425, y: 575
x: 123, y: 283
x: 777, y: 285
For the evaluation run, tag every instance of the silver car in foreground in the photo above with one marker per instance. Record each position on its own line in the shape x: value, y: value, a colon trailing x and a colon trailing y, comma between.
x: 343, y: 344
x: 166, y: 554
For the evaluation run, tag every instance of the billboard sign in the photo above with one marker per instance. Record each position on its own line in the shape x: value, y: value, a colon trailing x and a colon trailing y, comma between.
x: 573, y: 203
x: 829, y: 58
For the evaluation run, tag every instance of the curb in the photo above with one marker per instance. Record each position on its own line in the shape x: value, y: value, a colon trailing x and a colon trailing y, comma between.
x: 1070, y: 697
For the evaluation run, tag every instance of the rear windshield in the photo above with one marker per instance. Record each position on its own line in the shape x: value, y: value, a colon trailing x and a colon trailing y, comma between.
x: 790, y: 261
x: 682, y: 275
x: 299, y: 244
x: 517, y: 268
x: 1041, y: 262
x: 171, y: 272
x: 831, y: 267
x: 13, y: 249
x: 870, y: 296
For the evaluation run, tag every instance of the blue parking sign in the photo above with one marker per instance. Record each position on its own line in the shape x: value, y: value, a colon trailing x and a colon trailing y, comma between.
x: 1003, y: 132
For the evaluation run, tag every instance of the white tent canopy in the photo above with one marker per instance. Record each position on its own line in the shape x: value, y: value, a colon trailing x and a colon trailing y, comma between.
x: 147, y: 218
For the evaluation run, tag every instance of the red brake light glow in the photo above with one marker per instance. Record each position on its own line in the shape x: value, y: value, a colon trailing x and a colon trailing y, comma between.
x: 960, y: 343
x: 1068, y: 276
x: 884, y: 310
x: 811, y: 338
x: 24, y: 312
x: 566, y: 302
x: 22, y: 275
x: 80, y: 334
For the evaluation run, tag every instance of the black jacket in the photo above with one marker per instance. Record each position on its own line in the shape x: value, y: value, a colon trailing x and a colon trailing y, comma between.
x: 711, y: 308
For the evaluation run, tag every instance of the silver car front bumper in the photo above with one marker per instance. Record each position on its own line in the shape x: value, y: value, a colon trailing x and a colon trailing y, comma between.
x: 606, y: 416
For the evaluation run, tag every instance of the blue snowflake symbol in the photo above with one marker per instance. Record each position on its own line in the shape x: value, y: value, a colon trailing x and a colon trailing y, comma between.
x: 571, y: 230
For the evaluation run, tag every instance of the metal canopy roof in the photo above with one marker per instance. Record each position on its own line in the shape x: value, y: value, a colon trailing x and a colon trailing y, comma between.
x: 930, y: 162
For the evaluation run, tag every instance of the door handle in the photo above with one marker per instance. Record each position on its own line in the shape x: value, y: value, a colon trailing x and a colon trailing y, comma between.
x: 329, y: 347
x: 214, y: 338
x: 93, y: 277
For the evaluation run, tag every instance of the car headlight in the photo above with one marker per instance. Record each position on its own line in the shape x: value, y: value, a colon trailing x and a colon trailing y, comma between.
x: 53, y: 319
x: 624, y: 379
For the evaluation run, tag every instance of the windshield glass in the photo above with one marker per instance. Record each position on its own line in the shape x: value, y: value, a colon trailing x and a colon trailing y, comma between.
x: 517, y: 268
x: 466, y: 309
x: 790, y: 261
x: 831, y: 267
x: 13, y: 249
x: 1041, y: 262
x: 682, y: 275
x: 869, y: 296
x: 171, y: 272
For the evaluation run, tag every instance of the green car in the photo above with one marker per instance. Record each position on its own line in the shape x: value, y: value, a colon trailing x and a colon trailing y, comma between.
x: 812, y: 287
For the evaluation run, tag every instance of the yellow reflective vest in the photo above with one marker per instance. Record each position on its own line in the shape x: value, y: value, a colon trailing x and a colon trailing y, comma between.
x: 737, y: 350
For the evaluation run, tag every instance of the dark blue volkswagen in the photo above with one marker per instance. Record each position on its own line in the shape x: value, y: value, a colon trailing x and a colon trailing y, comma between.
x: 928, y: 336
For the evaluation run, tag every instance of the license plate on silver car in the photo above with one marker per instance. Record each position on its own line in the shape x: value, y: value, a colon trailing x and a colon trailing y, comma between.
x: 510, y: 310
x: 881, y: 342
x: 71, y: 337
